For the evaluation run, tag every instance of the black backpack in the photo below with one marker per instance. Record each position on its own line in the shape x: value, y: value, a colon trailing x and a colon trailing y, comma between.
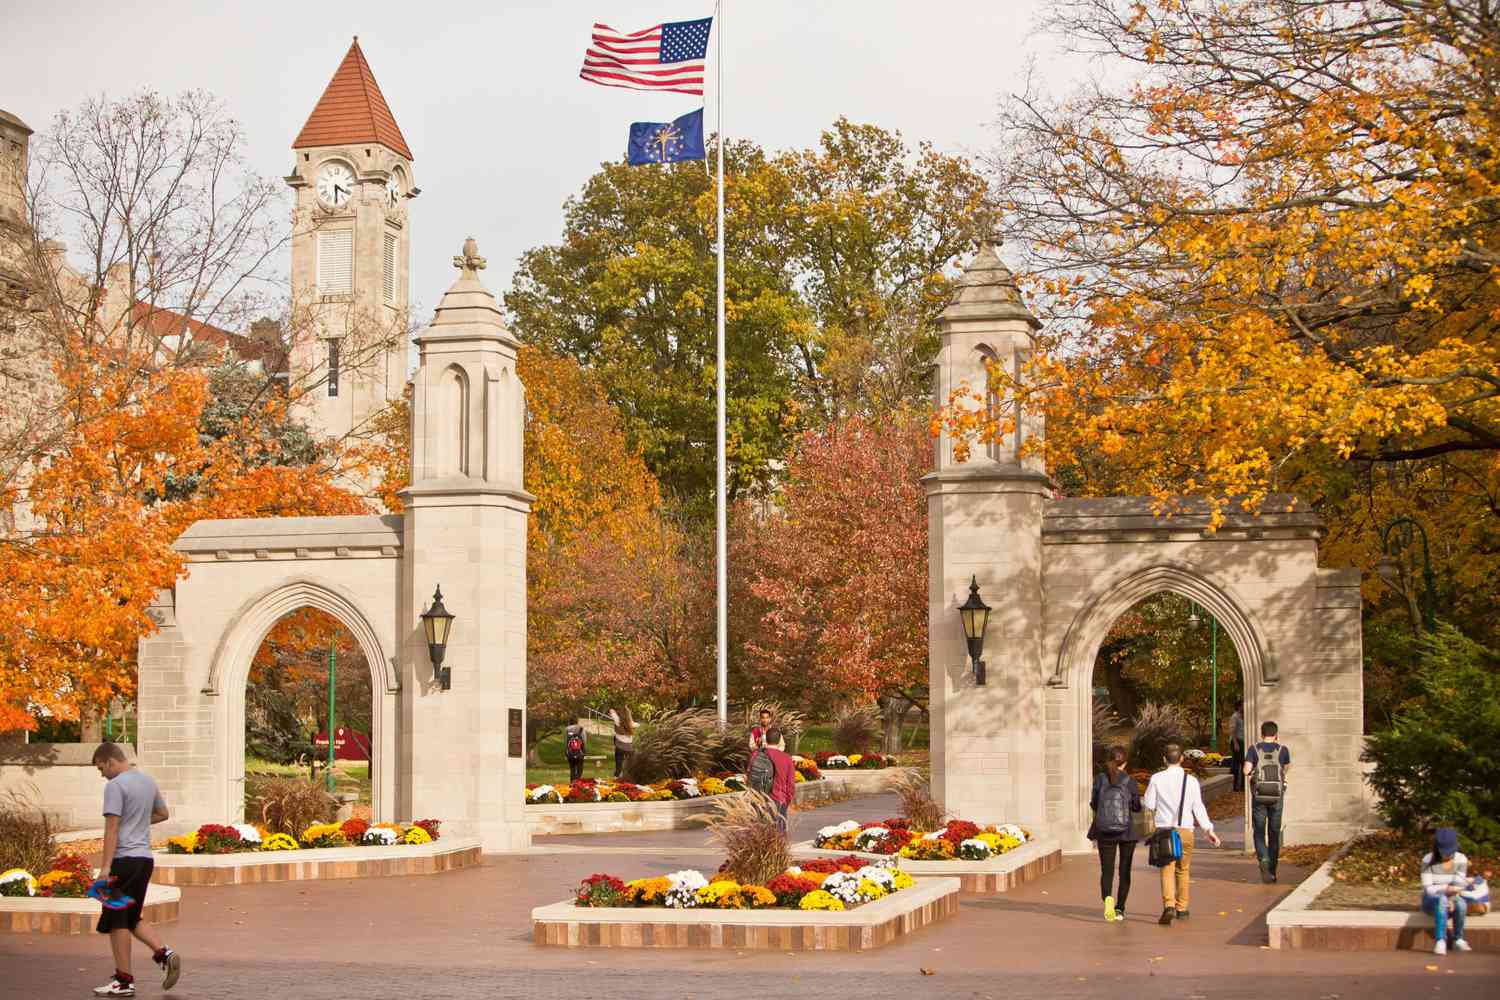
x: 762, y: 772
x: 1112, y: 817
x: 1269, y: 781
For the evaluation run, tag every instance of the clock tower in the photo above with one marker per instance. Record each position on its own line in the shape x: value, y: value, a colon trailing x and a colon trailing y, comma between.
x: 351, y: 240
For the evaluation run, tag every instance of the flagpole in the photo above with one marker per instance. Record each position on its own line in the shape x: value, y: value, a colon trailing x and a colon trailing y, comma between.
x: 721, y: 497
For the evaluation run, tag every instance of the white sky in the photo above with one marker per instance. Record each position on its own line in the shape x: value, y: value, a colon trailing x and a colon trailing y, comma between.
x: 489, y: 98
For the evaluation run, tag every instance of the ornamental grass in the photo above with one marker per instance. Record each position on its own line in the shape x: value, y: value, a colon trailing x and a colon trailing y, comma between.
x: 26, y: 839
x: 682, y: 744
x: 854, y: 730
x: 917, y: 804
x: 748, y: 828
x: 290, y: 805
x: 1156, y: 726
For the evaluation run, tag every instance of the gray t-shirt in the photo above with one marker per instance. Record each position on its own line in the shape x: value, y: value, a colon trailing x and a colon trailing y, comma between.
x: 133, y: 796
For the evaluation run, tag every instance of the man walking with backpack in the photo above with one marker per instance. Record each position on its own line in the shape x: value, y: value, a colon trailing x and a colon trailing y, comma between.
x: 1176, y: 800
x: 573, y: 748
x: 783, y: 773
x: 1266, y: 765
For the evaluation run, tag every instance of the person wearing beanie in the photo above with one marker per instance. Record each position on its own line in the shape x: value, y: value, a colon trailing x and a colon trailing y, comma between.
x: 1445, y: 876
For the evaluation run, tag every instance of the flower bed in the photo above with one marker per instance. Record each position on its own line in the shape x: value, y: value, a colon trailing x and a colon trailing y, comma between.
x: 587, y: 791
x: 829, y: 761
x: 1208, y: 758
x: 218, y: 838
x: 820, y: 884
x: 959, y: 840
x: 67, y: 877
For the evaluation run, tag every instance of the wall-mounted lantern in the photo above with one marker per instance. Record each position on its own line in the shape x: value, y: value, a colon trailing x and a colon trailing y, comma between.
x: 437, y: 622
x: 976, y: 618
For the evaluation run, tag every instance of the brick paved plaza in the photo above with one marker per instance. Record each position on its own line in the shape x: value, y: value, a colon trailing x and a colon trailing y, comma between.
x: 467, y: 934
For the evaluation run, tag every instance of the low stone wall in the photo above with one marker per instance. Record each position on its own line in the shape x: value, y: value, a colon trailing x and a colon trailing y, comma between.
x: 79, y: 916
x: 1292, y: 924
x: 682, y: 814
x: 447, y: 854
x: 60, y: 777
x: 978, y: 878
x: 872, y: 925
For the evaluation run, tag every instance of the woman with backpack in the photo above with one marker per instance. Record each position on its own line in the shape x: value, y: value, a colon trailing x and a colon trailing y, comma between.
x: 1115, y: 801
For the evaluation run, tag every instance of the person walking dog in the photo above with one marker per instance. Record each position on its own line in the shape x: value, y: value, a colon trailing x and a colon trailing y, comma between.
x: 1267, y: 765
x: 1176, y: 800
x: 132, y: 803
x: 1115, y: 798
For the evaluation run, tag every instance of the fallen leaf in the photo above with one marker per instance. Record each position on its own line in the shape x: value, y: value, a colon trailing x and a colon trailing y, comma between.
x: 1432, y: 968
x: 927, y: 972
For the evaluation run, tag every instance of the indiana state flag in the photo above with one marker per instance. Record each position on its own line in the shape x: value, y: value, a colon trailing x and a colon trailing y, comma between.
x: 667, y: 142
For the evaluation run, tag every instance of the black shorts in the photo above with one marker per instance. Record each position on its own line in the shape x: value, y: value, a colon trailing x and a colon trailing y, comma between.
x: 132, y: 878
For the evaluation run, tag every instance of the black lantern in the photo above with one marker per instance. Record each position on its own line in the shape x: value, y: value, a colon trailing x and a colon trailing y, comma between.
x: 437, y: 622
x: 976, y: 618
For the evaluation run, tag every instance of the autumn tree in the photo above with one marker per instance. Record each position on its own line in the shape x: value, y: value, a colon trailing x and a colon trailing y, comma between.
x: 1264, y: 250
x: 835, y: 274
x: 841, y: 566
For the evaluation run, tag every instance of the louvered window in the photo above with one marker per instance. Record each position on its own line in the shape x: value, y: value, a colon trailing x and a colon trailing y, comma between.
x: 390, y: 268
x: 336, y: 262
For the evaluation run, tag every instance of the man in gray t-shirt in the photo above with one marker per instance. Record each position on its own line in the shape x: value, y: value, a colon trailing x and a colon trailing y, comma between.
x: 132, y: 803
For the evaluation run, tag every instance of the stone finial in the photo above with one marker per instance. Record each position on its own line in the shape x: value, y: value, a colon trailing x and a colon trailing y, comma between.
x: 469, y: 262
x: 987, y: 290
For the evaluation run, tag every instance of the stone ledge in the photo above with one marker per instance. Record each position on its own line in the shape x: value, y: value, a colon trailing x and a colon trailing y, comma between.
x: 79, y: 916
x: 447, y: 854
x: 1291, y: 924
x: 872, y: 925
x: 978, y: 878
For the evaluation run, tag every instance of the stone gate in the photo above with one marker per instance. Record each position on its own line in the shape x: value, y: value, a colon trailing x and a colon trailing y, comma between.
x: 1058, y: 572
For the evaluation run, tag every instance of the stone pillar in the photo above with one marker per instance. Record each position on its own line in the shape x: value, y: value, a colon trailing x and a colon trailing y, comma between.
x: 985, y: 523
x: 465, y: 531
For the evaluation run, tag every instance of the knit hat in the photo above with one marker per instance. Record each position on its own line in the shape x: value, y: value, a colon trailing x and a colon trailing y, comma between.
x: 1446, y: 841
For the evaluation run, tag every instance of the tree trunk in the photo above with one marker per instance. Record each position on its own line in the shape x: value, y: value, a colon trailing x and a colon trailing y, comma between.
x: 1120, y: 694
x: 893, y: 709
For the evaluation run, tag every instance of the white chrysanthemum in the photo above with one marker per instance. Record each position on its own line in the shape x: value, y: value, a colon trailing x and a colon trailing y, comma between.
x: 1013, y: 831
x: 869, y: 838
x: 934, y: 835
x: 380, y: 836
x: 879, y: 874
x: 837, y: 760
x: 248, y: 833
x: 20, y: 875
x: 977, y: 846
x: 540, y: 793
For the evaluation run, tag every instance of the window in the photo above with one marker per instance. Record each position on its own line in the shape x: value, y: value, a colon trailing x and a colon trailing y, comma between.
x: 336, y: 262
x: 333, y: 368
x: 390, y: 268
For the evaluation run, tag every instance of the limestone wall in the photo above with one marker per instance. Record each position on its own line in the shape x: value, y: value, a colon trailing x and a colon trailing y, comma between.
x: 61, y: 777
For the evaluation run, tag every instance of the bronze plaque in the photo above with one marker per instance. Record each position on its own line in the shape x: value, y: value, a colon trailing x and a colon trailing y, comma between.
x: 517, y: 734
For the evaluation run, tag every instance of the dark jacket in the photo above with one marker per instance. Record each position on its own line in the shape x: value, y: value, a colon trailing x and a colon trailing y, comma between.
x: 1102, y: 779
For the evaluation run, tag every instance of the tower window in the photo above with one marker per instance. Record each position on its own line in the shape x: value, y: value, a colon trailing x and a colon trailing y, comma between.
x: 336, y: 262
x: 333, y: 368
x: 390, y: 268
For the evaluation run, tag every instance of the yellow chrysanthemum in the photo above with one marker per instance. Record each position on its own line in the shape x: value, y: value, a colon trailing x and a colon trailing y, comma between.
x: 417, y: 835
x: 820, y: 900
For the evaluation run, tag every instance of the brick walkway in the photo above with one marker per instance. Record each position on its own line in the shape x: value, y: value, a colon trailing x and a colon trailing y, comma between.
x: 467, y: 934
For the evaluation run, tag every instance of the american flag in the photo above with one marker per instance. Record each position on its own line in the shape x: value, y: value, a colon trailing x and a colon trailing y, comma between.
x: 665, y: 57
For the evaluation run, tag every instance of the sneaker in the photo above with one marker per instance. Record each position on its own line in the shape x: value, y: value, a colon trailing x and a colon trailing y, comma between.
x: 171, y: 967
x: 115, y: 988
x: 1461, y: 945
x: 1265, y: 874
x: 1441, y: 948
x: 1109, y: 907
x: 1182, y: 914
x: 1166, y: 916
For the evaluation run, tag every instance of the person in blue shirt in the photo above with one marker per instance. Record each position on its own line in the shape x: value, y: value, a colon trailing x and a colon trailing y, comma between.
x: 1267, y: 764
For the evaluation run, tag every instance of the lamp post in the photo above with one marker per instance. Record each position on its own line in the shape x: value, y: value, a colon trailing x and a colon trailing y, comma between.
x: 1390, y: 569
x: 437, y: 622
x: 976, y: 618
x: 1213, y: 666
x: 328, y: 781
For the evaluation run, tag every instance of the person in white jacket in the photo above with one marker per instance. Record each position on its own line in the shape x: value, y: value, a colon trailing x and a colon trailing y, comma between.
x: 1175, y: 799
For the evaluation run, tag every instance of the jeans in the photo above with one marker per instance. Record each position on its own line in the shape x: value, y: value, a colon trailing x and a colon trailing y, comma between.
x: 620, y: 755
x: 1433, y: 907
x: 1107, y: 852
x: 575, y: 768
x: 1237, y: 765
x: 1265, y: 825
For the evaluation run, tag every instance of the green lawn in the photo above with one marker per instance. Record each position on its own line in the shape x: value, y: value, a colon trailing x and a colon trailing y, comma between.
x: 554, y: 766
x: 348, y: 775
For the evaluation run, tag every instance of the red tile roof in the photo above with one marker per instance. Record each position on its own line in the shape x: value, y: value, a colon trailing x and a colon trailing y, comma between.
x: 352, y: 109
x: 205, y: 340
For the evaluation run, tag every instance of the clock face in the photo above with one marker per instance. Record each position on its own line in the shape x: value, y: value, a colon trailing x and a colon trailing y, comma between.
x: 335, y: 185
x: 395, y: 189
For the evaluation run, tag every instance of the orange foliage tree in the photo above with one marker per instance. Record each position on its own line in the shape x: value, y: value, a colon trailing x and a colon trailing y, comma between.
x: 96, y: 520
x: 1267, y: 260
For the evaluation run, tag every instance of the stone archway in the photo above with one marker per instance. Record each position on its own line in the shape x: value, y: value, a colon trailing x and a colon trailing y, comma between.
x: 1114, y: 596
x: 229, y: 674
